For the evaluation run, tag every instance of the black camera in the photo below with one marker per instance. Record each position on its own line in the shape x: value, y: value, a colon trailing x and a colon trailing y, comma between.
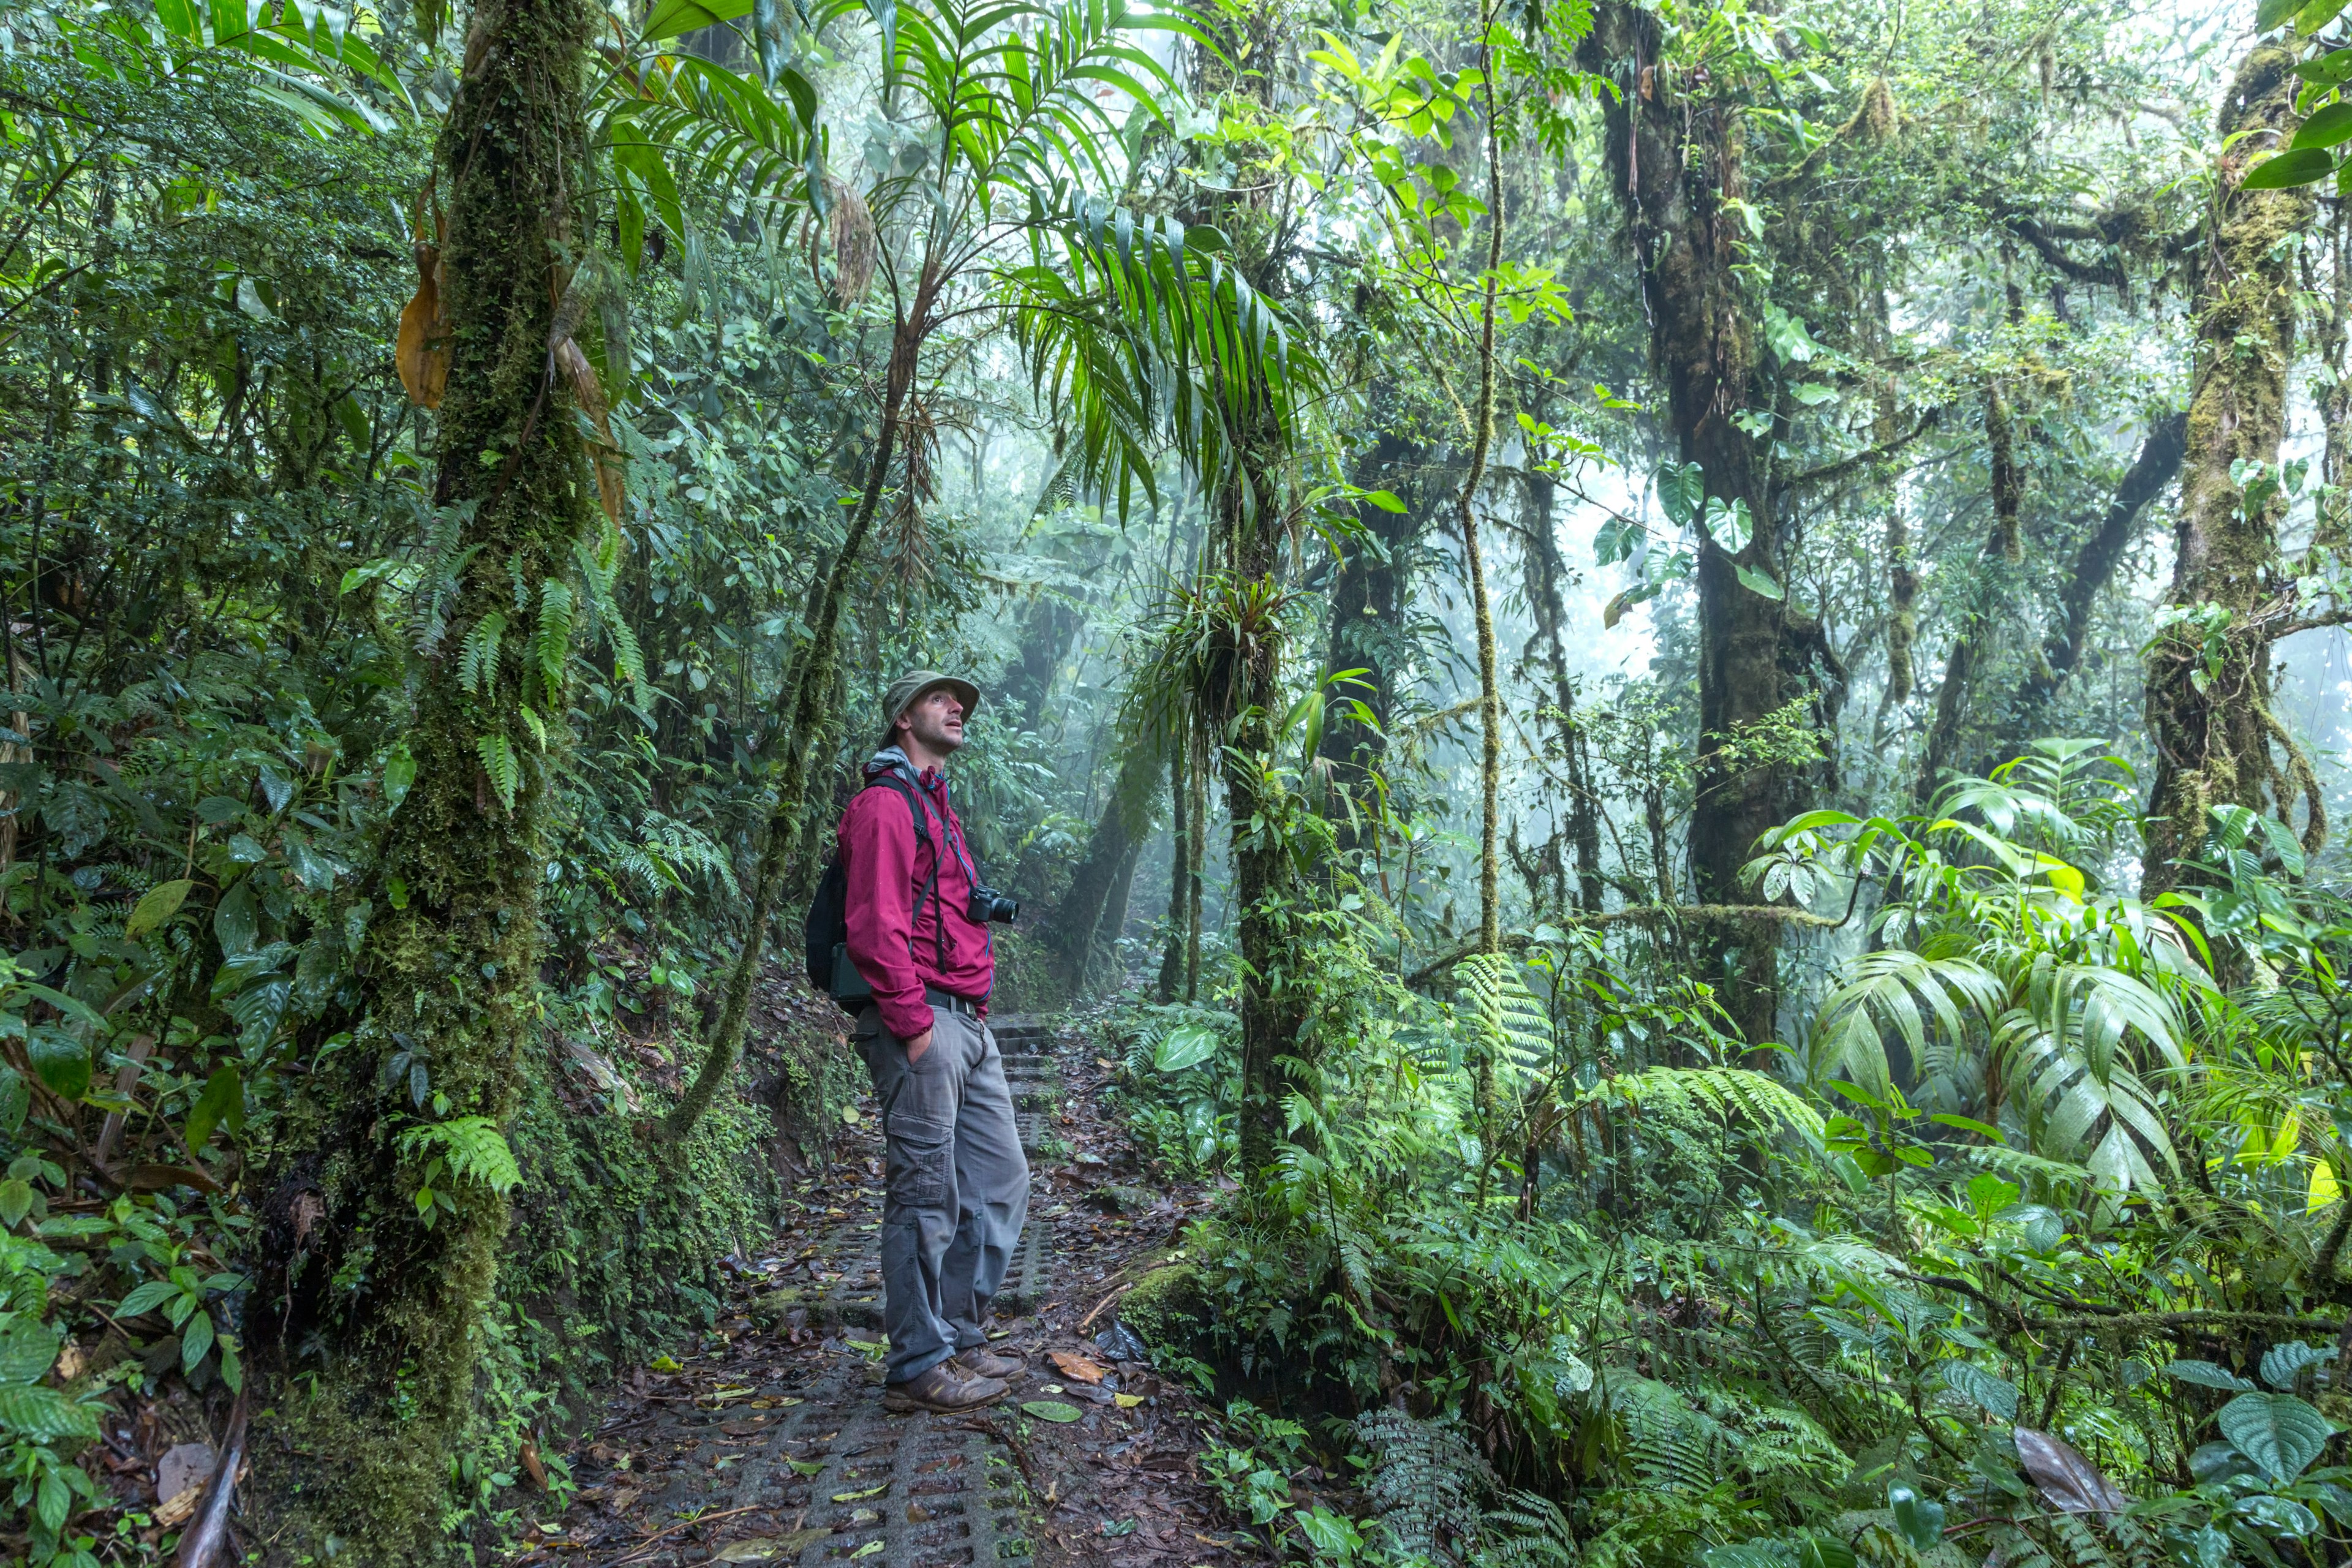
x: 988, y: 904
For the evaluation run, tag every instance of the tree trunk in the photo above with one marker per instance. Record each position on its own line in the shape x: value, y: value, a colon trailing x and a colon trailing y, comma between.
x: 2209, y: 680
x: 452, y: 957
x: 2094, y: 567
x: 1179, y: 866
x: 1080, y: 925
x: 1986, y: 595
x: 812, y: 690
x: 1046, y: 629
x: 1545, y: 573
x: 1675, y: 164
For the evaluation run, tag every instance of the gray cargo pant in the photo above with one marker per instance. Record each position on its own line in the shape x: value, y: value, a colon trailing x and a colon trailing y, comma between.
x: 957, y: 1187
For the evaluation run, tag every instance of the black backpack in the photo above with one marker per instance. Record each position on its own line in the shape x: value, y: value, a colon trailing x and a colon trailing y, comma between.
x: 826, y: 935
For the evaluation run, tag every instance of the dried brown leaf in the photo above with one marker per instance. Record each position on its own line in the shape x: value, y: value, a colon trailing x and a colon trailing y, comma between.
x: 422, y: 348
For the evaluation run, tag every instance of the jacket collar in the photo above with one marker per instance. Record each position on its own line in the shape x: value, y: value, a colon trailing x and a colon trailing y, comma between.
x: 894, y: 759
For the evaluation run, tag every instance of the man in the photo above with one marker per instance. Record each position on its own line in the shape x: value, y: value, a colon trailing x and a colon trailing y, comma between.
x: 958, y: 1184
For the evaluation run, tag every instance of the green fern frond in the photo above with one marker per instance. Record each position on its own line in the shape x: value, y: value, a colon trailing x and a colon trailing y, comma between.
x: 1425, y: 1482
x: 1527, y: 1530
x: 1723, y: 1094
x: 474, y: 1148
x: 499, y: 760
x: 478, y: 664
x: 1509, y: 1021
x: 552, y: 638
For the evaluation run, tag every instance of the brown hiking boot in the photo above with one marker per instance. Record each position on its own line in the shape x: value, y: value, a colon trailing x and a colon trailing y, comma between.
x: 944, y: 1388
x: 985, y: 1362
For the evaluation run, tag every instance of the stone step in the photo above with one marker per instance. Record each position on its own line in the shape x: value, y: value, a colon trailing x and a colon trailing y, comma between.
x: 966, y: 1503
x: 1025, y: 1028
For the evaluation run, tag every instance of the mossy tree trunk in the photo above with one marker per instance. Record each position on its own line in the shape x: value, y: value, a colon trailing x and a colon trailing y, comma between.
x: 812, y: 690
x: 2208, y: 677
x: 1474, y: 570
x: 380, y: 1312
x: 1674, y: 161
x: 1241, y: 688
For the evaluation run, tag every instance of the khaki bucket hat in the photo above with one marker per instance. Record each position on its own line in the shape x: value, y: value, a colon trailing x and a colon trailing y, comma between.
x: 916, y: 683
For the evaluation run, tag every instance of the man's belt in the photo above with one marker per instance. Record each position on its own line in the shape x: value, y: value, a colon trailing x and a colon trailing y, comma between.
x: 952, y: 1003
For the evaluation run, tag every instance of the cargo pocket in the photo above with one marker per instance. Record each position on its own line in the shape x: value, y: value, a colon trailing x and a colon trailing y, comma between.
x: 920, y: 1154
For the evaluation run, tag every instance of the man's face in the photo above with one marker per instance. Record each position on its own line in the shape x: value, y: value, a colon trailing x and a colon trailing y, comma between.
x: 936, y: 721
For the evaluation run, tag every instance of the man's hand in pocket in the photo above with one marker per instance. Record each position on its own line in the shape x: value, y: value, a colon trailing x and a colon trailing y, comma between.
x: 916, y: 1046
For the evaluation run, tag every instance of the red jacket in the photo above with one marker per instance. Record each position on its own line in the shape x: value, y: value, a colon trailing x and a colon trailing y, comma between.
x: 899, y: 948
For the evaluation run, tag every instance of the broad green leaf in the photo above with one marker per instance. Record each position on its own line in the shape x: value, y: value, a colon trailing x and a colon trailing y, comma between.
x: 1681, y: 487
x: 671, y: 17
x: 1052, y: 1410
x: 196, y: 1338
x: 2317, y: 15
x: 223, y: 1100
x: 60, y: 1062
x: 399, y: 777
x: 45, y: 1415
x: 2269, y: 13
x: 235, y: 921
x: 1759, y: 583
x: 158, y: 904
x: 146, y: 1298
x: 2283, y: 1362
x: 1185, y: 1046
x: 2326, y: 128
x: 27, y: 1351
x: 1920, y: 1521
x: 2301, y: 166
x: 2277, y: 1431
x: 15, y: 1201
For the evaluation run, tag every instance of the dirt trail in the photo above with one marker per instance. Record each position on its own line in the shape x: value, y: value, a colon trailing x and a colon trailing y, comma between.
x: 773, y: 1448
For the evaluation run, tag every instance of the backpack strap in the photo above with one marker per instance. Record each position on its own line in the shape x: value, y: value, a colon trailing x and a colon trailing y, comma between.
x: 931, y: 882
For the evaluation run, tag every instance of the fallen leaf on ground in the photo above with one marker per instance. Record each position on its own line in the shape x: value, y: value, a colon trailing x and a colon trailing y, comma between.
x: 862, y: 1496
x: 1046, y: 1410
x: 1072, y: 1364
x: 807, y: 1466
x: 1127, y: 1401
